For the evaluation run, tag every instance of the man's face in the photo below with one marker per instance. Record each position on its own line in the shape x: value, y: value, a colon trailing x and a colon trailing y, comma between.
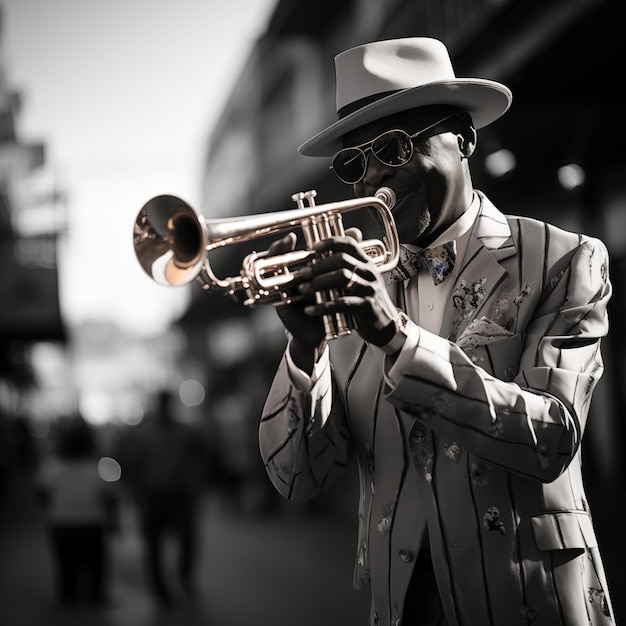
x: 432, y: 187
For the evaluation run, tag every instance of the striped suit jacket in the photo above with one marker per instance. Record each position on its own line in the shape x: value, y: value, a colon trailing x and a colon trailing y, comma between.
x: 477, y: 440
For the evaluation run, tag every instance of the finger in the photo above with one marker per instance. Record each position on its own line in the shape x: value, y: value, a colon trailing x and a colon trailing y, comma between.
x: 343, y: 304
x: 291, y: 299
x: 341, y: 278
x: 340, y: 271
x: 286, y: 244
x: 355, y: 233
x: 352, y: 279
x: 337, y: 261
x: 345, y: 244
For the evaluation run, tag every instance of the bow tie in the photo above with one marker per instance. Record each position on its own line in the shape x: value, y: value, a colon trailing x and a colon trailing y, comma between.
x: 438, y: 261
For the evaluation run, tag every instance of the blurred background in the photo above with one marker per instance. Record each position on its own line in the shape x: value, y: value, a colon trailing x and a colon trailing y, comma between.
x: 104, y: 105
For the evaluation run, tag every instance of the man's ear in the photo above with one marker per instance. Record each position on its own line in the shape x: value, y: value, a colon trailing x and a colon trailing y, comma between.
x: 468, y: 137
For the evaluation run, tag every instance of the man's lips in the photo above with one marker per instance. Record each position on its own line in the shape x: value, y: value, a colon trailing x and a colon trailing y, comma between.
x: 402, y: 195
x: 401, y: 200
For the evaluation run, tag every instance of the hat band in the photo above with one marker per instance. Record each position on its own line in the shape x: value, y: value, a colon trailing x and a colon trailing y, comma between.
x: 350, y: 108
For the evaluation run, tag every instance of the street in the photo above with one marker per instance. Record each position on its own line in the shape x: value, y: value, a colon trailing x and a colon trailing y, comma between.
x: 289, y: 567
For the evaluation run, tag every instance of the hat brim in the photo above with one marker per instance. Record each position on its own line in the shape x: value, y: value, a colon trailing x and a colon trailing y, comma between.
x: 485, y: 100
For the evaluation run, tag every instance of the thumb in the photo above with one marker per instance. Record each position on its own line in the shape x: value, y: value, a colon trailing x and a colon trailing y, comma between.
x: 286, y: 244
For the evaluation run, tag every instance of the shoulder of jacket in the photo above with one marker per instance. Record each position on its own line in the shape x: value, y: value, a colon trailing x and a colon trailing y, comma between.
x: 534, y: 226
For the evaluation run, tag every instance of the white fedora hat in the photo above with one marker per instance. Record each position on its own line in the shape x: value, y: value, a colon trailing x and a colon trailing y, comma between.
x: 386, y: 77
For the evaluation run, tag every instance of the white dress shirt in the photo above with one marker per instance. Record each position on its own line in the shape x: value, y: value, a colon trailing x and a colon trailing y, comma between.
x: 425, y: 301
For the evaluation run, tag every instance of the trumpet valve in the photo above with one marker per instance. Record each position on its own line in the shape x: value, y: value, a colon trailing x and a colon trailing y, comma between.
x: 301, y: 196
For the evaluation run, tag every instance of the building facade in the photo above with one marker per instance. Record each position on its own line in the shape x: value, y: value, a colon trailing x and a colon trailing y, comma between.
x: 32, y: 220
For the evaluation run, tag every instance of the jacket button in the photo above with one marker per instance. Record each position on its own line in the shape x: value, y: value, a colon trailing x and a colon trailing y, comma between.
x: 418, y: 436
x: 405, y: 555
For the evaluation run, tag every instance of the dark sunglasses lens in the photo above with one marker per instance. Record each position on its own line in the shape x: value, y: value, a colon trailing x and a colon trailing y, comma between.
x: 349, y: 165
x: 393, y: 148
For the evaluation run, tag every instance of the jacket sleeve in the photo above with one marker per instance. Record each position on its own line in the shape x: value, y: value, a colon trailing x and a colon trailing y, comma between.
x: 533, y: 424
x: 304, y: 443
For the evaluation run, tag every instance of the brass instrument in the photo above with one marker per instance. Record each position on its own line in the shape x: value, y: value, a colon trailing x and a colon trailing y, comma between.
x: 172, y: 243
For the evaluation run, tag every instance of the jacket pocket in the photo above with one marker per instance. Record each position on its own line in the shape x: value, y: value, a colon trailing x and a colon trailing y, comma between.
x: 504, y: 357
x: 563, y: 530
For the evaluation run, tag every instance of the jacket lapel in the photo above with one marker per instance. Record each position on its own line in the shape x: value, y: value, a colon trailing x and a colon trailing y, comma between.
x: 481, y: 273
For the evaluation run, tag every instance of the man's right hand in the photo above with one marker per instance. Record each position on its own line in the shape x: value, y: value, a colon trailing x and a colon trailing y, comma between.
x: 307, y: 331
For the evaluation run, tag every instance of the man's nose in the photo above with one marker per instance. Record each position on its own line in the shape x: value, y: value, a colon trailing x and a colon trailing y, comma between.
x: 375, y: 171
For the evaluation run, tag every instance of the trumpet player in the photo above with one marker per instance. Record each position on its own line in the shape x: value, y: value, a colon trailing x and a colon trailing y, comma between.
x: 465, y: 386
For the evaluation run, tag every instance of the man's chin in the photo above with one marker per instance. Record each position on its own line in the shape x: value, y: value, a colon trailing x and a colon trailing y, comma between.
x: 404, y: 213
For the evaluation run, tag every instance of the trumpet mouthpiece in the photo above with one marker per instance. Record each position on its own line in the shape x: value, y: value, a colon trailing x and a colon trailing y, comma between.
x: 387, y: 196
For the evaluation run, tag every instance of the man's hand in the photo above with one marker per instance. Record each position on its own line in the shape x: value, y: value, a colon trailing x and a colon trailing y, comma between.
x: 343, y: 265
x: 307, y: 331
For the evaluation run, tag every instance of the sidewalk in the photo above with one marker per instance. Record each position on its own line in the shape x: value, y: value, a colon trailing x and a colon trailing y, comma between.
x: 287, y: 569
x: 278, y: 570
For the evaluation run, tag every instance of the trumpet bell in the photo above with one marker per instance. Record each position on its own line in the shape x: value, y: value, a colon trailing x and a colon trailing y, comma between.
x: 170, y: 240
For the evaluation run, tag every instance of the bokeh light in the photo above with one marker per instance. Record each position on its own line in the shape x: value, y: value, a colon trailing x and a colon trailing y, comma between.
x: 571, y: 176
x: 500, y: 162
x: 109, y: 469
x: 191, y: 393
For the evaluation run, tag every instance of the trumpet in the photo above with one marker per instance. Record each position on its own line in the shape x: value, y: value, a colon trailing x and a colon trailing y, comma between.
x: 172, y: 242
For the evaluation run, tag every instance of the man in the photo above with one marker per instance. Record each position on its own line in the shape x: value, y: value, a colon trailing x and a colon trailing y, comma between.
x: 464, y: 394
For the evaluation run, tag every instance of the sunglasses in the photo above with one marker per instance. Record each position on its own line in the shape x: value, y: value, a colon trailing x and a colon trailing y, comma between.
x: 393, y: 148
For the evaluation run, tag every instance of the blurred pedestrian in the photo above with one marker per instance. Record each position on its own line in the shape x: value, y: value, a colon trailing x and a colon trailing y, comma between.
x: 80, y: 511
x: 165, y: 466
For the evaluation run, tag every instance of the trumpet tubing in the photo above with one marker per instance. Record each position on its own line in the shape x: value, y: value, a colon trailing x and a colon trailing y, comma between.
x: 172, y: 243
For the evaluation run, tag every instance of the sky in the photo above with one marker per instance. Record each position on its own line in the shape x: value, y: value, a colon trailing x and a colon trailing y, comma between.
x: 124, y: 95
